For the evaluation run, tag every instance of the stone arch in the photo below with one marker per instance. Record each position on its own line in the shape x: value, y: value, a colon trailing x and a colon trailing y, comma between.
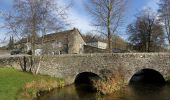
x: 85, y: 77
x: 147, y: 76
x: 85, y: 81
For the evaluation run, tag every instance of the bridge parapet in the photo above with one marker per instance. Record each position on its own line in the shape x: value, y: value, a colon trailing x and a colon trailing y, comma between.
x: 69, y: 66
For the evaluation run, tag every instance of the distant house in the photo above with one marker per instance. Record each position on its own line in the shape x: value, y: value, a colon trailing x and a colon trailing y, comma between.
x: 95, y: 47
x: 90, y: 49
x: 97, y: 44
x: 66, y: 42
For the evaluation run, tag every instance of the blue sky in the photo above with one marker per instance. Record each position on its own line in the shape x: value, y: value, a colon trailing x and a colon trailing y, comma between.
x: 83, y: 20
x: 80, y: 19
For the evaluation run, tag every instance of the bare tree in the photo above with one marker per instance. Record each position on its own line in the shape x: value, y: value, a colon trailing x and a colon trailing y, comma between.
x: 35, y: 17
x: 107, y: 16
x: 164, y: 10
x: 31, y: 18
x: 146, y: 33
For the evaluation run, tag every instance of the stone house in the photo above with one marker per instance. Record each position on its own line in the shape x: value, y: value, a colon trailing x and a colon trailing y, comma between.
x: 65, y: 42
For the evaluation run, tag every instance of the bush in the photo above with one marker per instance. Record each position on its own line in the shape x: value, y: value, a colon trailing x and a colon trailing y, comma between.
x: 113, y: 83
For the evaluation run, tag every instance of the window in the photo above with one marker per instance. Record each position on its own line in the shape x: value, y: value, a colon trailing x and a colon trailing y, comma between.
x: 59, y: 44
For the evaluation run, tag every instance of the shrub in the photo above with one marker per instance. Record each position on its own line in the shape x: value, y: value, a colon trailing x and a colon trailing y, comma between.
x: 34, y: 89
x: 113, y: 83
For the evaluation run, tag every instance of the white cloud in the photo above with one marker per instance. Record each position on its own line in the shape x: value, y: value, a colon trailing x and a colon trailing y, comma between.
x: 80, y: 22
x: 77, y: 18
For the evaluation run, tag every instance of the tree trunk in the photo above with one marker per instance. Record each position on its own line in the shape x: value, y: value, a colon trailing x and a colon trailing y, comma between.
x: 168, y: 33
x: 149, y: 42
x: 109, y: 42
x: 109, y: 30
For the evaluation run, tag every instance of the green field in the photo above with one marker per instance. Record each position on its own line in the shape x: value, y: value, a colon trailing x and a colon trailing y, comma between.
x: 12, y: 81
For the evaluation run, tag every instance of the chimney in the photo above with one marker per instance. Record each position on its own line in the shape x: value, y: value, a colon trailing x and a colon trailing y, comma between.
x: 74, y: 28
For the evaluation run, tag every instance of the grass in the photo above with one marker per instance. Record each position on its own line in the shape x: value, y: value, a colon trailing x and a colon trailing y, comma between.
x: 14, y: 83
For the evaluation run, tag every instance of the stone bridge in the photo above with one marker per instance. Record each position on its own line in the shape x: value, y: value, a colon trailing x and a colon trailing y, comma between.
x: 69, y: 66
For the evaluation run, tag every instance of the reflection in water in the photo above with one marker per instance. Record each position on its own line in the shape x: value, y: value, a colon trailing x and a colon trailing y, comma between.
x: 147, y: 92
x: 70, y: 93
x: 139, y: 92
x: 140, y: 88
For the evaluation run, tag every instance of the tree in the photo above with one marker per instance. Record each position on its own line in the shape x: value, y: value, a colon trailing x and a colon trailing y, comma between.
x: 11, y: 43
x: 30, y: 18
x: 107, y: 16
x: 164, y: 11
x: 118, y: 42
x: 34, y: 17
x: 91, y: 37
x: 146, y: 33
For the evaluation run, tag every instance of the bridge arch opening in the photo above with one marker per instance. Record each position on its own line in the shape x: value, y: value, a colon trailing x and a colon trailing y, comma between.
x: 147, y: 76
x: 85, y: 81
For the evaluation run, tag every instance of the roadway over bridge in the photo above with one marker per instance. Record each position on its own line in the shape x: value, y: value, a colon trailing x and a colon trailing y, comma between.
x: 69, y: 66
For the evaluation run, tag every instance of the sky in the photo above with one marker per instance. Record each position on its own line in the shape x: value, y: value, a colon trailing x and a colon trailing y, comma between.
x: 79, y: 17
x: 83, y: 19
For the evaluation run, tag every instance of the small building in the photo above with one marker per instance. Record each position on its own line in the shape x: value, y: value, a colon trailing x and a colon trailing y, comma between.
x: 95, y: 47
x: 97, y: 44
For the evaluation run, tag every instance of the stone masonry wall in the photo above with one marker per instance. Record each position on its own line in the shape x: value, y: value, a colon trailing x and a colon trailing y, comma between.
x: 20, y: 62
x: 69, y: 66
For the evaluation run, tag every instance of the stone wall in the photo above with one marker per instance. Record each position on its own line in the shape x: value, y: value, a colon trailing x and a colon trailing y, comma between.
x: 20, y: 62
x: 69, y: 66
x: 76, y: 42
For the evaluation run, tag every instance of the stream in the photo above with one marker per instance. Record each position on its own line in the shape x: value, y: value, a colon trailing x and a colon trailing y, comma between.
x: 130, y: 92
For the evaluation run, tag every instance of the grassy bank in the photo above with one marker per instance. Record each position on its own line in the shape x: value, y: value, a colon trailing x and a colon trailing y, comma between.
x: 16, y: 84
